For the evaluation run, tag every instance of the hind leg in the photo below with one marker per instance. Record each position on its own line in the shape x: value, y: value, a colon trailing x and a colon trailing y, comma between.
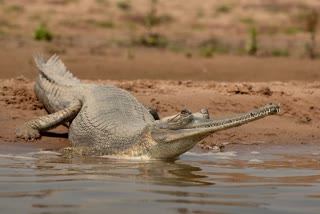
x: 31, y: 130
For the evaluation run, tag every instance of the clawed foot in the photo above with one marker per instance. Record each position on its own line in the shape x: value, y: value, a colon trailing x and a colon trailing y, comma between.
x: 27, y: 132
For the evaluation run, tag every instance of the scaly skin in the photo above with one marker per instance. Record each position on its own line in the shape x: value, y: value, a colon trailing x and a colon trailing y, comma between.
x: 106, y: 120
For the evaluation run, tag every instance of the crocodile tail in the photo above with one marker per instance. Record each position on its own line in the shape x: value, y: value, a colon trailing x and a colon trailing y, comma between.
x: 54, y: 70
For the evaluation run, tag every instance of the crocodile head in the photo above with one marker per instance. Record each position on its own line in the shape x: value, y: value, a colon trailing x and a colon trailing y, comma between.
x: 179, y: 133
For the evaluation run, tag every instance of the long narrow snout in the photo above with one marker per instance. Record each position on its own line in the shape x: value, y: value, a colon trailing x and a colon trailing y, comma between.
x: 234, y: 121
x: 200, y: 128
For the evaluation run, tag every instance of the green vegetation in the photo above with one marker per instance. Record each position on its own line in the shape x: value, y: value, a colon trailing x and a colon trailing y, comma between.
x: 42, y: 33
x: 131, y: 26
x: 252, y: 43
x: 280, y: 53
x: 2, y: 33
x: 293, y: 30
x: 312, y: 19
x: 152, y: 19
x: 105, y: 24
x: 102, y: 1
x: 207, y: 51
x: 222, y: 9
x: 157, y: 20
x: 146, y: 26
x: 152, y: 40
x: 211, y: 46
x: 124, y: 5
x: 101, y: 24
x: 247, y: 21
x: 14, y: 9
x: 65, y: 2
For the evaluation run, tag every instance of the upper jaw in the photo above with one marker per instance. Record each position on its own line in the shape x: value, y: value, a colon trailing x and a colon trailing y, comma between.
x: 197, y: 126
x: 232, y: 121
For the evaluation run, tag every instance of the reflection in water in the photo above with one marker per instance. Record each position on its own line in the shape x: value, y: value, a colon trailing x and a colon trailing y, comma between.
x: 216, y: 183
x: 153, y: 171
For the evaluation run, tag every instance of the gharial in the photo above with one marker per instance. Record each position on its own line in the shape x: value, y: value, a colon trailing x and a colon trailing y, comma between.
x: 106, y: 120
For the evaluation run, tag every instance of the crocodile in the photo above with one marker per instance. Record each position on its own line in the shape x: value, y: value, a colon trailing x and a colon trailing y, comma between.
x: 106, y: 120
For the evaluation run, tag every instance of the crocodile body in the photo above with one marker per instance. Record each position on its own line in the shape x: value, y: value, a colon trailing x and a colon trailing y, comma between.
x: 109, y: 121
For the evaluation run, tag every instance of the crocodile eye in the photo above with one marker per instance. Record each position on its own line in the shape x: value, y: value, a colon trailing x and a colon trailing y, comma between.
x: 185, y: 111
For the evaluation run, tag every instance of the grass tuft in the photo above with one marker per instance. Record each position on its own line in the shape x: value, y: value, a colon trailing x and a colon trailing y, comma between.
x: 280, y: 53
x: 101, y: 24
x: 252, y: 42
x: 223, y: 9
x: 124, y: 5
x: 14, y: 9
x: 152, y: 40
x: 211, y: 46
x: 42, y: 33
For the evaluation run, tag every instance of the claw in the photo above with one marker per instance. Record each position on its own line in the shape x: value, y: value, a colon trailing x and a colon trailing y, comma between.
x: 27, y: 133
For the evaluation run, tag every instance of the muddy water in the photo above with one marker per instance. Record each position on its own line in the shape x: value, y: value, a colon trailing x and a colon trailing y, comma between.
x: 241, y: 180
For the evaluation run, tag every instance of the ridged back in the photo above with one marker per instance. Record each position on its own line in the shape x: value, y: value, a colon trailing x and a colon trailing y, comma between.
x: 55, y: 71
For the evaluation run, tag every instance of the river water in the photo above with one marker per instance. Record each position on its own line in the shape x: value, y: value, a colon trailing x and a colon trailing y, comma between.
x: 248, y: 179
